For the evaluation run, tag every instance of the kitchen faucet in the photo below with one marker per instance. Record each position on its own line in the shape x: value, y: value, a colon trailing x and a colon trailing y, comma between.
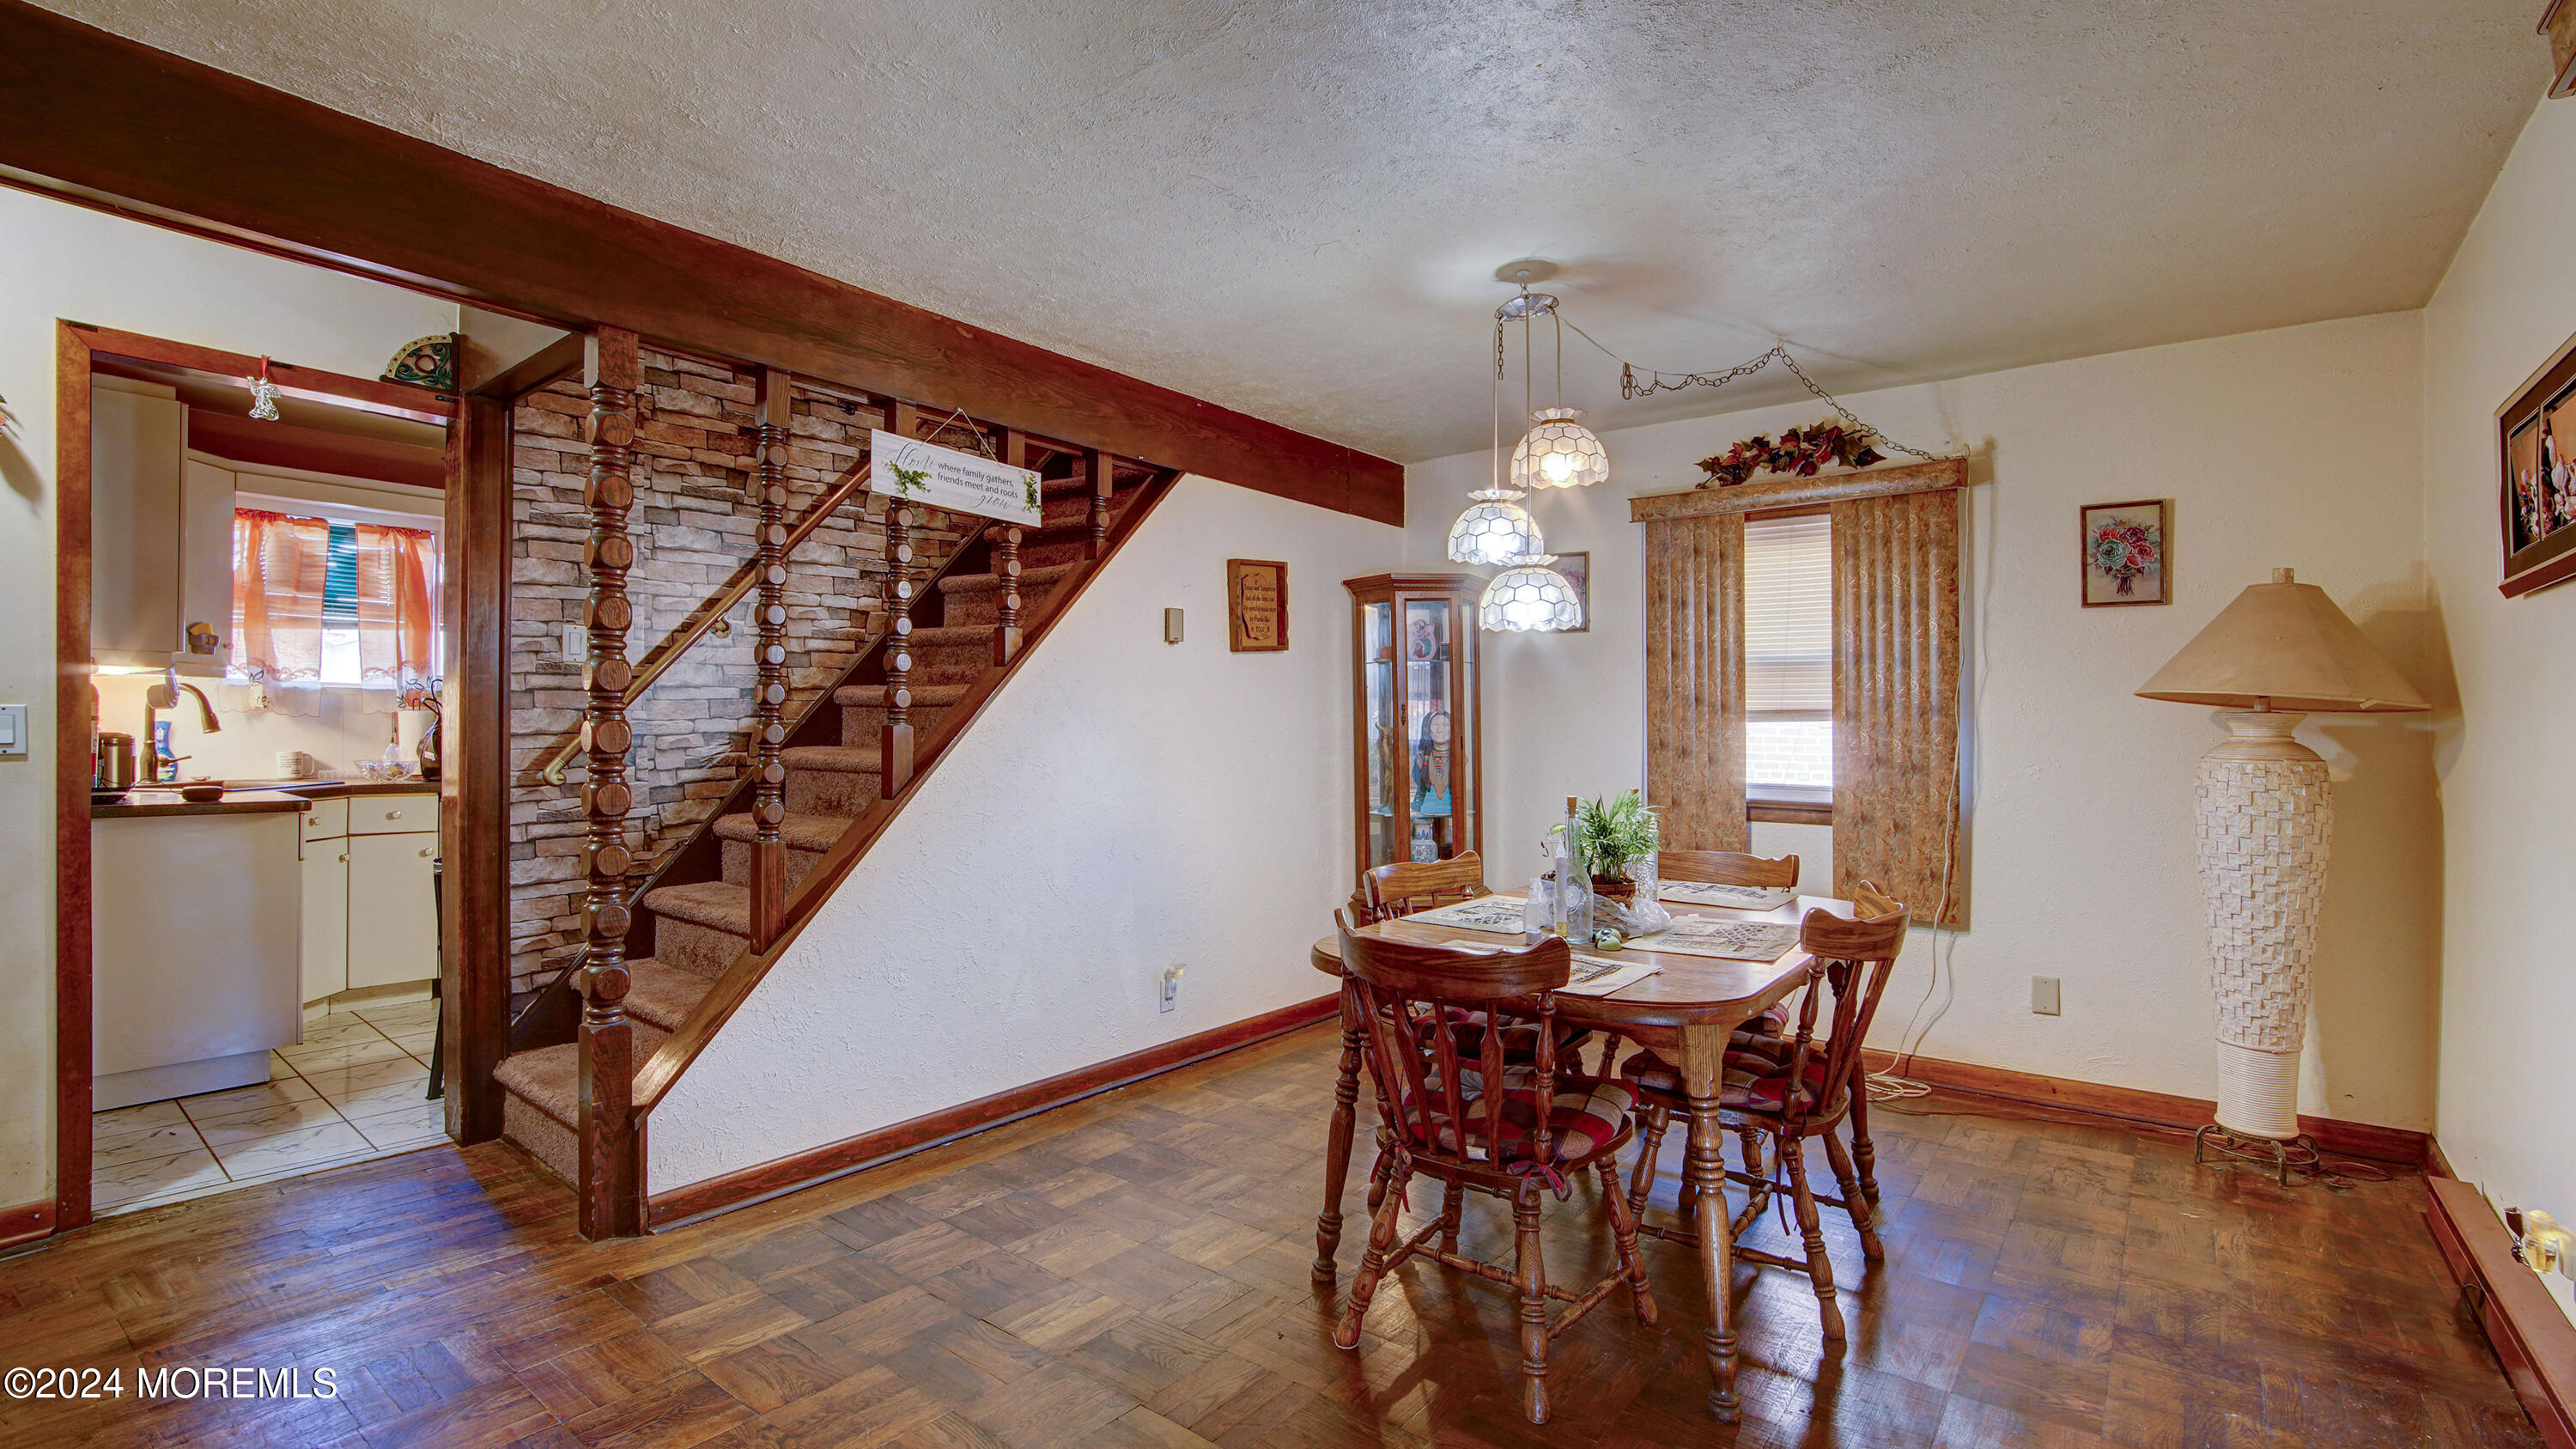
x: 165, y: 695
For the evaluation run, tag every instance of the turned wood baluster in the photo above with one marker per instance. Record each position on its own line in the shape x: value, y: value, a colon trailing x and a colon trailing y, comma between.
x: 897, y: 737
x: 769, y: 691
x: 608, y: 1206
x: 1006, y: 616
x: 1104, y: 477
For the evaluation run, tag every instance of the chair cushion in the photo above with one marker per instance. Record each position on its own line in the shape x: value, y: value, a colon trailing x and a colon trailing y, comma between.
x: 1583, y: 1121
x: 1520, y: 1038
x: 1755, y: 1081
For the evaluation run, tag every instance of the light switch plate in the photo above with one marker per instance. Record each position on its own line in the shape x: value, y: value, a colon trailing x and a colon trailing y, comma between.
x: 2043, y: 995
x: 13, y: 732
x: 576, y: 644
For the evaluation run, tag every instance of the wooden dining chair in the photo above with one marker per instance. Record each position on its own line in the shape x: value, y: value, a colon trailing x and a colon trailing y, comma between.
x: 1406, y: 886
x: 1480, y: 1124
x: 1798, y: 1087
x: 1728, y: 867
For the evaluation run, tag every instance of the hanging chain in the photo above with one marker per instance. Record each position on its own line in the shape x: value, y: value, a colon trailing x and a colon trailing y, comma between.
x: 1630, y: 388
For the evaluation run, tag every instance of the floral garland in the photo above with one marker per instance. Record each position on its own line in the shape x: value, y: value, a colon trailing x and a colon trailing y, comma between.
x: 2124, y: 550
x: 1799, y: 452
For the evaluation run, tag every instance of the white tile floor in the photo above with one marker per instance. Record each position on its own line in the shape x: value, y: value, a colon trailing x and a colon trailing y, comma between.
x: 351, y: 1091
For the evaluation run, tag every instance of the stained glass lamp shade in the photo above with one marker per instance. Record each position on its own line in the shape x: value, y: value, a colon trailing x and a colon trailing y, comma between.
x: 1559, y: 452
x: 1495, y: 529
x: 1530, y: 597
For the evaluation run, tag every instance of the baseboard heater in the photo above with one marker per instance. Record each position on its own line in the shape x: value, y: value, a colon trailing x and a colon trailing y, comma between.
x: 2532, y: 1338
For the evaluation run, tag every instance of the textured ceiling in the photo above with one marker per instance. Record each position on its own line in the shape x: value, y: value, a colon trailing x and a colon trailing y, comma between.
x: 1295, y: 208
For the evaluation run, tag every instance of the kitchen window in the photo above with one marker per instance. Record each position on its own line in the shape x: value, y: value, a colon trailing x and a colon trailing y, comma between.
x: 1789, y: 666
x: 341, y: 597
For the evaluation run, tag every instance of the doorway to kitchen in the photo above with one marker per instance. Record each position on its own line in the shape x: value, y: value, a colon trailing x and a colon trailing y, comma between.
x: 258, y: 616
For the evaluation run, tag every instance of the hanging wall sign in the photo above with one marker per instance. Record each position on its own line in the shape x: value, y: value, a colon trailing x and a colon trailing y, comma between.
x: 936, y: 477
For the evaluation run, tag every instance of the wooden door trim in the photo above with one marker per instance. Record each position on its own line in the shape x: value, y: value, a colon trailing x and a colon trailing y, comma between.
x: 72, y: 570
x: 78, y: 346
x: 96, y: 119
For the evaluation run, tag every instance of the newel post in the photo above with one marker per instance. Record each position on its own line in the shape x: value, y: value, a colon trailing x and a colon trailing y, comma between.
x: 606, y: 1129
x: 1006, y: 561
x: 896, y: 741
x: 769, y: 691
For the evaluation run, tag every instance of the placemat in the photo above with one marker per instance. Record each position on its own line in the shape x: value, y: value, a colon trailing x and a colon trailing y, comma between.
x: 1740, y: 898
x: 1499, y: 914
x: 1727, y: 940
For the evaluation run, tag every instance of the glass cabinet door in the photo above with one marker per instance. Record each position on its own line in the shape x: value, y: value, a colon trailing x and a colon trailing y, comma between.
x: 1431, y: 729
x: 1386, y: 833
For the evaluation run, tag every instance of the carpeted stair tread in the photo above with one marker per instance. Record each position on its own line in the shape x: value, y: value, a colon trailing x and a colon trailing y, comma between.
x: 833, y: 759
x: 924, y: 696
x: 949, y: 636
x: 800, y: 832
x: 711, y: 903
x: 549, y: 1078
x: 1038, y: 578
x: 662, y: 996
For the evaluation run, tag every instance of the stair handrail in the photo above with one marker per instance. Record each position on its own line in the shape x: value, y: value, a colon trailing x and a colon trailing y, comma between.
x: 850, y: 484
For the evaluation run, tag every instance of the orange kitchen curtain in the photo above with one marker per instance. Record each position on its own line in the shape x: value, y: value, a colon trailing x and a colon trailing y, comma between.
x: 284, y: 597
x: 395, y: 566
x: 281, y: 569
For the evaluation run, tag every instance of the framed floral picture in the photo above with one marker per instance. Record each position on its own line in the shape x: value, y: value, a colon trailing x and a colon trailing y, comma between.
x: 2126, y: 548
x: 1577, y: 568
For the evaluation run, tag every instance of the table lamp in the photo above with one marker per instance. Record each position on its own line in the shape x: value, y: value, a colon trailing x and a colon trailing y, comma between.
x: 2281, y: 651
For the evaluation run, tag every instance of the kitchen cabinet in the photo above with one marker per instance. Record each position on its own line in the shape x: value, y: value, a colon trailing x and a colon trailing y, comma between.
x: 370, y: 914
x: 193, y: 952
x: 161, y: 535
x: 393, y: 931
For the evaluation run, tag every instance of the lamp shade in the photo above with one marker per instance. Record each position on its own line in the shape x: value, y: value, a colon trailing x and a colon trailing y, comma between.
x: 1495, y: 529
x: 1530, y: 597
x: 2283, y: 645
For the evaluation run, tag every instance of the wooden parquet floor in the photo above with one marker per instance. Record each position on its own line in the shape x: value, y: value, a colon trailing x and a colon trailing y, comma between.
x: 1131, y: 1273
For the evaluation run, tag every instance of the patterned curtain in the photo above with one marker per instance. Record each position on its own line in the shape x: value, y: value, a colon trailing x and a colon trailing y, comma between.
x: 1896, y: 700
x: 394, y: 608
x: 1695, y: 680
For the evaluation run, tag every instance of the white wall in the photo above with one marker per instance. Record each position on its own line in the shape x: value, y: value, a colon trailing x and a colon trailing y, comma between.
x: 1124, y: 805
x: 58, y: 261
x: 2299, y: 447
x: 2508, y: 797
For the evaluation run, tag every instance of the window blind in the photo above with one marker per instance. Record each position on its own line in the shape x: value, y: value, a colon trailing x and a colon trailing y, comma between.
x: 1789, y: 615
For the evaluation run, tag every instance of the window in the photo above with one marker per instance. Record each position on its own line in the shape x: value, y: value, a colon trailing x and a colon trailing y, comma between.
x: 338, y: 600
x: 1789, y: 659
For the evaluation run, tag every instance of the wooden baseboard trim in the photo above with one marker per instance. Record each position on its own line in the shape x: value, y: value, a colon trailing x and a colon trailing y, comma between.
x: 2161, y: 1109
x: 2532, y: 1339
x: 2435, y: 1164
x: 852, y: 1154
x: 26, y: 1224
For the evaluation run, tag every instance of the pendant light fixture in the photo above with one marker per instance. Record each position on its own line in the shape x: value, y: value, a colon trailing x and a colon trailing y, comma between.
x: 1558, y: 451
x: 1495, y: 529
x: 1529, y: 597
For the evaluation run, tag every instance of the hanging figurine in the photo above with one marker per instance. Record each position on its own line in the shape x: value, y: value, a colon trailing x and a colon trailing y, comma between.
x: 263, y: 395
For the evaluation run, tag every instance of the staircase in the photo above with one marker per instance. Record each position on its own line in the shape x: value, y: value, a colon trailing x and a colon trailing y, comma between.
x: 694, y: 922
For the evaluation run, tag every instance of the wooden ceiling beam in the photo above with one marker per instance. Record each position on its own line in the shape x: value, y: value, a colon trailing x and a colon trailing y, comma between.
x: 97, y: 119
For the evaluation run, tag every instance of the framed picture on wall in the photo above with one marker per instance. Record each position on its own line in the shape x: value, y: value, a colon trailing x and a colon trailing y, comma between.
x: 2125, y: 550
x: 1577, y: 568
x: 2536, y: 496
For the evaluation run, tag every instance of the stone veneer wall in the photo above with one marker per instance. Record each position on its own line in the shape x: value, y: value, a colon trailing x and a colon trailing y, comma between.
x: 693, y: 524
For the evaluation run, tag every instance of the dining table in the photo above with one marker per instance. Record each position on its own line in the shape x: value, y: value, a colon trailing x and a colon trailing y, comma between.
x: 1686, y: 1011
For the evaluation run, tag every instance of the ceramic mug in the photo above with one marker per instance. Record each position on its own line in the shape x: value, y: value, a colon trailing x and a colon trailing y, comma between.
x: 294, y: 765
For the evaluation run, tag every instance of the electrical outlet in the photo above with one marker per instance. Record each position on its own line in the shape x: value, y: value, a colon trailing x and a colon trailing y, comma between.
x: 1171, y: 987
x: 13, y: 732
x: 2043, y: 995
x: 576, y: 644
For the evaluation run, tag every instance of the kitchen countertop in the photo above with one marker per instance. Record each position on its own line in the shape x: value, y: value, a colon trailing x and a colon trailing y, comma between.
x: 338, y: 788
x: 141, y: 804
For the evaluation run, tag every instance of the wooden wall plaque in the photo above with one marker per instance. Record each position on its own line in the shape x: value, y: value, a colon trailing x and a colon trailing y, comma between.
x: 1256, y: 606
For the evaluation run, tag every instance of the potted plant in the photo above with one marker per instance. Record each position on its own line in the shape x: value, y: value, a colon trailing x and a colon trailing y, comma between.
x: 1616, y: 842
